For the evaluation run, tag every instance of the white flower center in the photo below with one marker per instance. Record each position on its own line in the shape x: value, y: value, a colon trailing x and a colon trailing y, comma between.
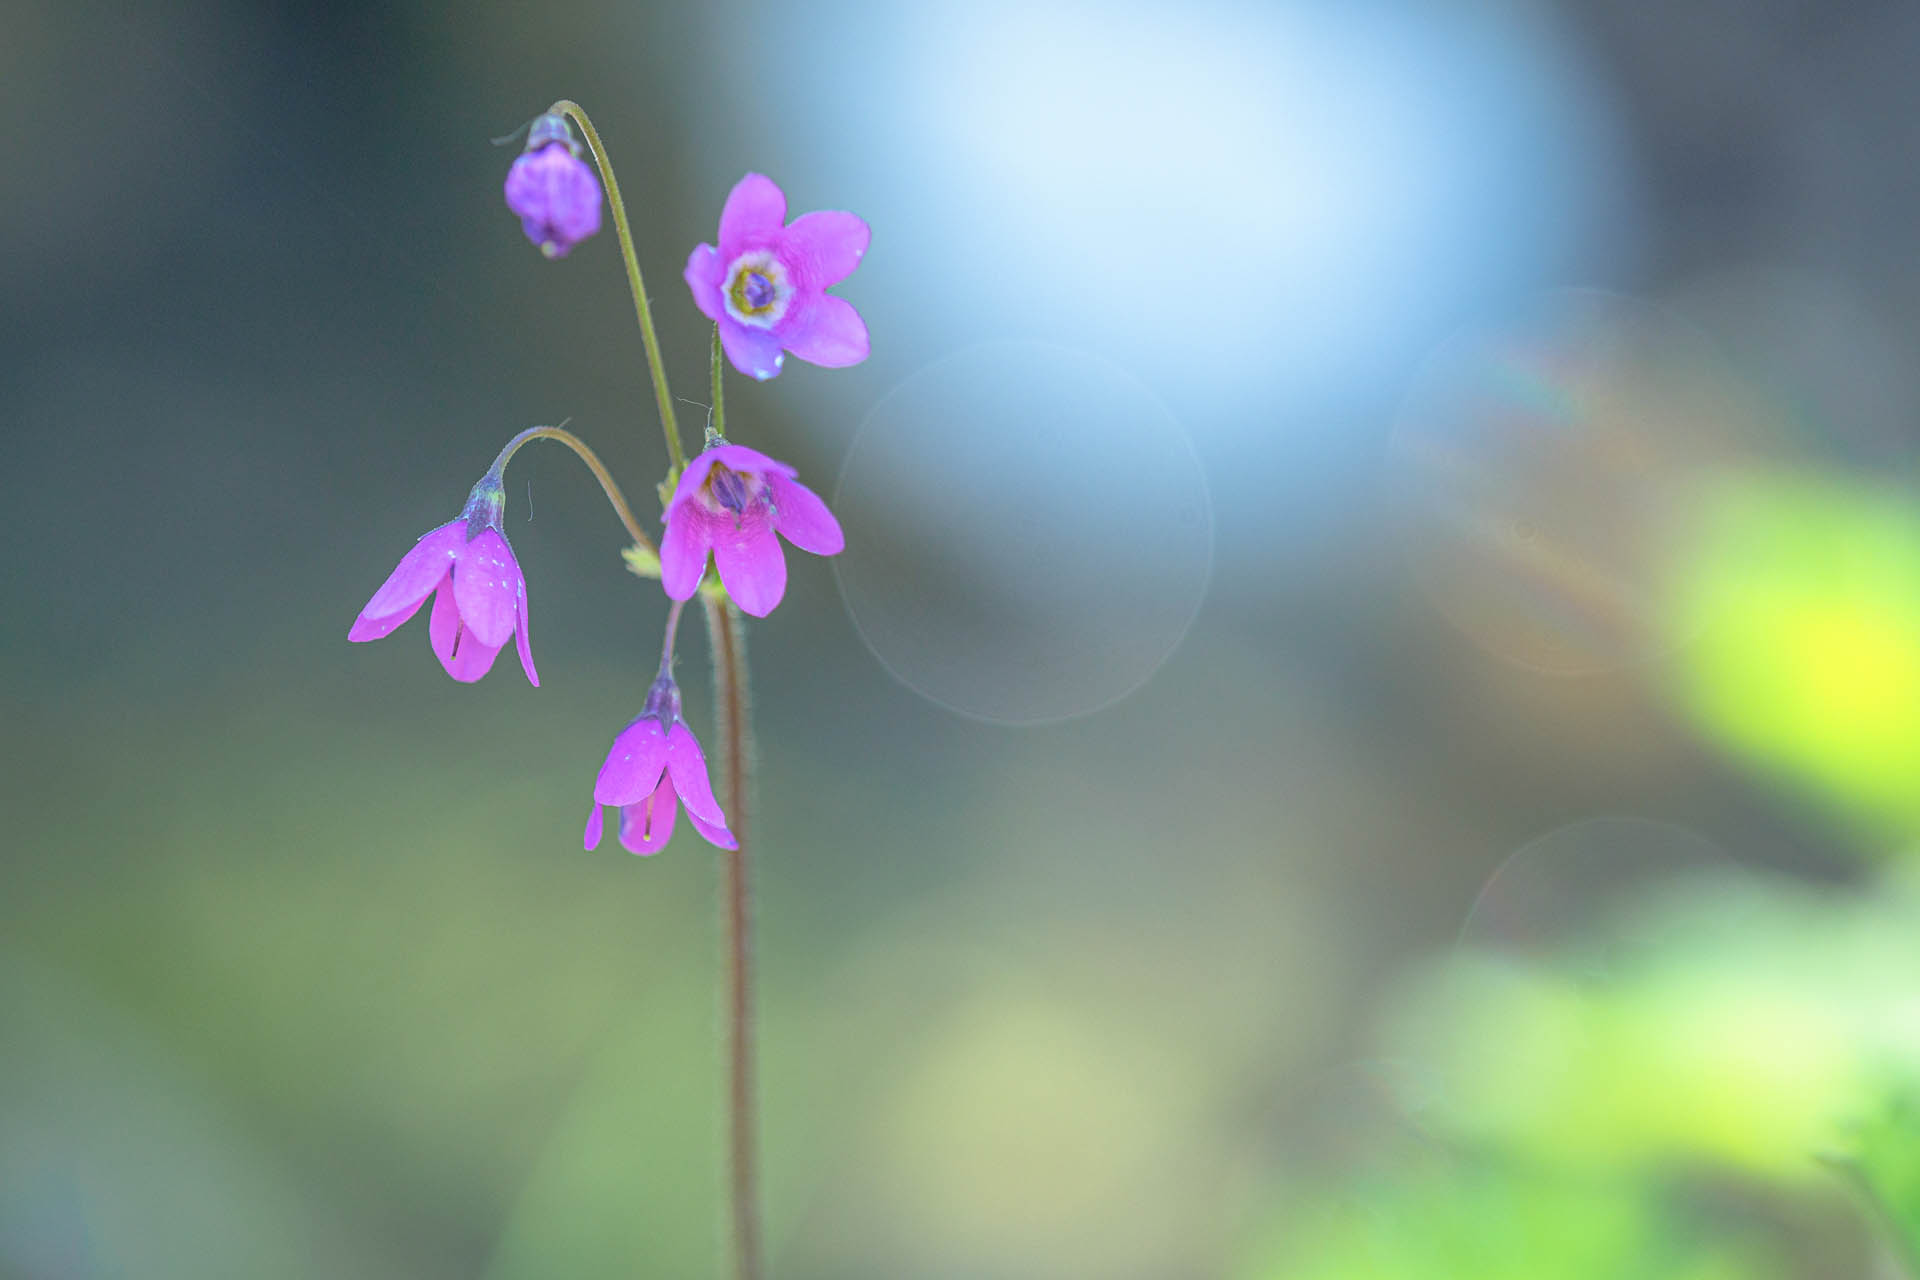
x: 757, y: 291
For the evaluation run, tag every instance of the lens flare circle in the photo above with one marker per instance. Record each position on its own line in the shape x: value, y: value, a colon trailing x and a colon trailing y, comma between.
x: 1029, y: 533
x: 1589, y: 882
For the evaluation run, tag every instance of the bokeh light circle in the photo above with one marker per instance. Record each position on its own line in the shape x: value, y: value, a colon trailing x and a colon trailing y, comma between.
x: 1601, y: 886
x: 1029, y: 533
x: 1542, y: 471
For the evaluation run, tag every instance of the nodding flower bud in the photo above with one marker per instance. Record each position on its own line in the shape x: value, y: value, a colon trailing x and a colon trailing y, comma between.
x: 552, y: 190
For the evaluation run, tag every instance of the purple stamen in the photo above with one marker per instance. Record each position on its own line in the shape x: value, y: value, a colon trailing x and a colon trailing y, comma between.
x: 759, y: 290
x: 730, y: 489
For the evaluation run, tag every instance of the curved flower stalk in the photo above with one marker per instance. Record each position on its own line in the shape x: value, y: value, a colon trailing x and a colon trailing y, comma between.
x: 765, y: 283
x: 467, y: 565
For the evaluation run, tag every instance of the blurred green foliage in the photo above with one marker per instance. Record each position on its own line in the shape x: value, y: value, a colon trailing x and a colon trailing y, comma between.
x: 1727, y: 1026
x: 1490, y: 1222
x: 1730, y: 1020
x: 1881, y: 1154
x: 1797, y: 607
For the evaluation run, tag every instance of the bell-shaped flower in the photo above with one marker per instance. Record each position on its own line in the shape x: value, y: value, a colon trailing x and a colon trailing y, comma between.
x: 479, y: 594
x: 552, y: 189
x: 765, y: 283
x: 654, y: 767
x: 732, y: 501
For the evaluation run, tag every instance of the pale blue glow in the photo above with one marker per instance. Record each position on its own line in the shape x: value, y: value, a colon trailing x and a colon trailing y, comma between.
x: 1294, y: 203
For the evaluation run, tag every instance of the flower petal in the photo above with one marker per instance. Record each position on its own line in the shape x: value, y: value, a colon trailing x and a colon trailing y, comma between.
x: 522, y: 642
x: 487, y: 586
x: 716, y: 835
x: 410, y: 583
x: 471, y: 659
x: 688, y: 767
x: 683, y: 550
x: 366, y: 627
x: 693, y: 477
x: 823, y: 248
x: 633, y: 764
x: 803, y: 519
x: 756, y: 209
x: 754, y: 352
x: 647, y: 825
x: 704, y: 275
x: 737, y: 457
x: 443, y: 624
x: 463, y: 654
x: 828, y: 332
x: 751, y: 564
x: 595, y: 827
x: 556, y: 196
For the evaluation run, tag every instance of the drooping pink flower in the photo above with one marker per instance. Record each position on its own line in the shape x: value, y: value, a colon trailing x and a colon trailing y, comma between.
x: 552, y: 190
x: 732, y: 500
x: 653, y: 768
x: 765, y: 284
x: 479, y: 594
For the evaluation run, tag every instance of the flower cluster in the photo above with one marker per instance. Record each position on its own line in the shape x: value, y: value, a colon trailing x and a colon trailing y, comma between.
x: 764, y: 287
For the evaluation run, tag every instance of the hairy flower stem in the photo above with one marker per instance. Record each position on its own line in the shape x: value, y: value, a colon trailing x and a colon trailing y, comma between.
x: 661, y: 395
x: 588, y: 456
x: 726, y: 635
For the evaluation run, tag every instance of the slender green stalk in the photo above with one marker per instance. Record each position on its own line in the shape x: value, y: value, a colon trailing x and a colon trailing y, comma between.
x: 666, y: 647
x: 661, y: 395
x: 599, y: 469
x: 717, y: 429
x: 725, y: 634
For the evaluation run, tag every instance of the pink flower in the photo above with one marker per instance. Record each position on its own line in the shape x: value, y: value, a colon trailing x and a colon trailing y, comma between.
x: 480, y: 595
x: 552, y: 190
x: 765, y: 285
x: 732, y: 500
x: 654, y: 767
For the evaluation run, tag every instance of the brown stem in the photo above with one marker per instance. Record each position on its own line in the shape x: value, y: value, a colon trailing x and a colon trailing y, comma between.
x: 727, y: 638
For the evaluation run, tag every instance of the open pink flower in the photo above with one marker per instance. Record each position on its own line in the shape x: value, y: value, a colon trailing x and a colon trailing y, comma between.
x: 479, y: 594
x: 765, y: 285
x: 732, y: 500
x: 654, y: 767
